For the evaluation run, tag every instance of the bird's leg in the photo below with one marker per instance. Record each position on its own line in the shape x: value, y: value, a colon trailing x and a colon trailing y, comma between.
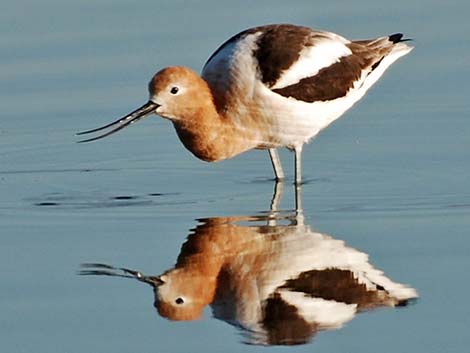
x: 298, y: 165
x: 276, y: 164
x: 298, y: 180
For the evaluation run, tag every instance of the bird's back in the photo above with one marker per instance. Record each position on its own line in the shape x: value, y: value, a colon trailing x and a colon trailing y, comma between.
x: 294, y: 80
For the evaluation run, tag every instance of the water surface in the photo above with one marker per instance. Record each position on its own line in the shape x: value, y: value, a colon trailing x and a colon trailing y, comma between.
x: 390, y: 179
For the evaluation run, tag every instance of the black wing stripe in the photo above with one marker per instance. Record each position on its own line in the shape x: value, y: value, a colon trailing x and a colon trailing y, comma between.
x: 329, y: 83
x: 279, y: 47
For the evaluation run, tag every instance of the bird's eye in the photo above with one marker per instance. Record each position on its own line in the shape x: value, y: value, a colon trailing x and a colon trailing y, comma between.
x: 174, y: 90
x: 179, y: 301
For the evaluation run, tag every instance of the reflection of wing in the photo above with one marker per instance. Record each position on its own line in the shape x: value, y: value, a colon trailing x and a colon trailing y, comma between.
x: 323, y: 313
x: 343, y: 286
x: 299, y: 282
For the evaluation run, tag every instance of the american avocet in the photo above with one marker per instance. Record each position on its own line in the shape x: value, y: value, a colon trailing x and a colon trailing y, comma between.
x: 266, y: 87
x: 279, y: 283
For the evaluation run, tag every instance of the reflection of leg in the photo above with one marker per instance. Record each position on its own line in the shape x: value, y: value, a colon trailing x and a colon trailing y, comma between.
x: 298, y: 204
x: 276, y: 164
x: 275, y: 202
x: 277, y: 195
x: 298, y: 183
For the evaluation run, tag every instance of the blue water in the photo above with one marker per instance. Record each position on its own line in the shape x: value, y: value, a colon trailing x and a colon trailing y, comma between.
x: 390, y: 179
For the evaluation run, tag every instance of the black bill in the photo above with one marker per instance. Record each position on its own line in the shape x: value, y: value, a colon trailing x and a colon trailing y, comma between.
x: 122, y: 122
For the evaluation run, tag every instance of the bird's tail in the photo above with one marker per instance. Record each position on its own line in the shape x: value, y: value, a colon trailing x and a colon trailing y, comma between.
x: 394, y: 44
x: 398, y: 38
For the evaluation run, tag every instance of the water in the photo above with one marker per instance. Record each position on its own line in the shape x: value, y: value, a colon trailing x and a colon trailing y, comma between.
x: 390, y: 179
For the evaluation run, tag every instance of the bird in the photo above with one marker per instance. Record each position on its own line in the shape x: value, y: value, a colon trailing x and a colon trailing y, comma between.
x: 267, y: 87
x: 280, y: 284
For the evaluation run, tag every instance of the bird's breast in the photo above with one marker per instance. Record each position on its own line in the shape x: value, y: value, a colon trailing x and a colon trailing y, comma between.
x: 215, y: 142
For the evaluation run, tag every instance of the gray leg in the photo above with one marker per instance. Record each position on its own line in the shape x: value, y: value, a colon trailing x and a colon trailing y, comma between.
x: 298, y: 201
x: 276, y: 164
x: 298, y: 165
x: 298, y: 180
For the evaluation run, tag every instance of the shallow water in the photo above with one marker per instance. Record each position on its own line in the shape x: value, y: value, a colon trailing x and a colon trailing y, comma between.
x: 390, y: 179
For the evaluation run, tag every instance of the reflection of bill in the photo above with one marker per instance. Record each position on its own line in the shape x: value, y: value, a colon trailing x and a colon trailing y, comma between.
x: 279, y: 282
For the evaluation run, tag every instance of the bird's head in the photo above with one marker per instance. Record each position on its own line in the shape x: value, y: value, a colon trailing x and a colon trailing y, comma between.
x: 176, y: 93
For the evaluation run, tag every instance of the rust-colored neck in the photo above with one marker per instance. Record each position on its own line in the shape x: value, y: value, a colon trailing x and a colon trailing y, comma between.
x: 212, y: 137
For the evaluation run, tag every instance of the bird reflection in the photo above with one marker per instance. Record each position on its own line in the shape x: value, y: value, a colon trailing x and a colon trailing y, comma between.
x: 271, y: 276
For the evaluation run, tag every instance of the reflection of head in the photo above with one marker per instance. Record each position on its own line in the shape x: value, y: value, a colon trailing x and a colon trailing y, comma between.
x: 185, y: 312
x: 182, y: 295
x: 283, y: 323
